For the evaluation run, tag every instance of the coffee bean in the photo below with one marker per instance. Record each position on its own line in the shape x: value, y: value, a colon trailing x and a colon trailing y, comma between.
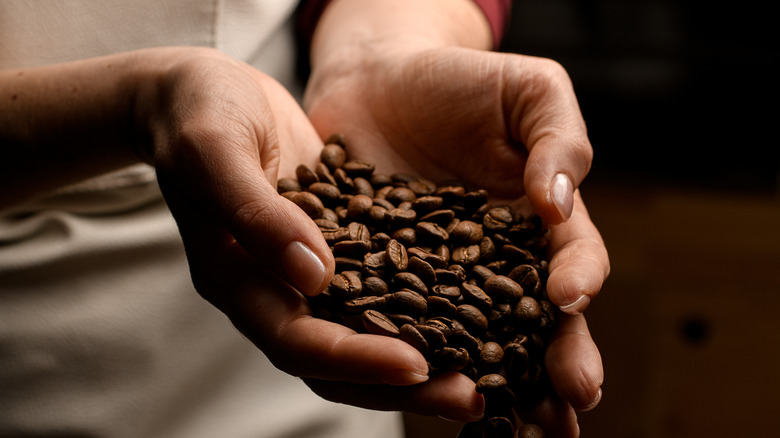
x: 491, y: 357
x: 497, y: 219
x: 305, y: 175
x: 431, y: 232
x: 528, y: 278
x: 363, y: 187
x: 333, y: 156
x: 396, y: 255
x: 377, y: 323
x: 503, y: 289
x: 346, y: 285
x: 474, y: 295
x: 423, y: 270
x: 466, y: 255
x: 474, y: 320
x: 324, y: 175
x: 358, y: 206
x: 426, y: 204
x: 407, y: 301
x: 288, y: 185
x: 439, y: 217
x: 375, y: 286
x: 356, y: 169
x: 364, y: 303
x: 409, y: 334
x: 528, y: 312
x: 309, y: 203
x: 407, y: 280
x: 467, y: 232
x: 499, y: 427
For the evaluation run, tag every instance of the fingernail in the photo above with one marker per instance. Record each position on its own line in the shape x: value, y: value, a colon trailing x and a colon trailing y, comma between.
x: 460, y: 414
x: 576, y: 307
x: 594, y: 403
x: 562, y: 193
x: 404, y: 377
x: 303, y: 268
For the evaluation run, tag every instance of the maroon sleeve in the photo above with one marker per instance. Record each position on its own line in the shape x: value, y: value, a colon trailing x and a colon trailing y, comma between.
x: 496, y: 11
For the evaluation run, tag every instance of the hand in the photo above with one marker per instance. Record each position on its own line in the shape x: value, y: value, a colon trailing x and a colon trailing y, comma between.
x: 506, y: 123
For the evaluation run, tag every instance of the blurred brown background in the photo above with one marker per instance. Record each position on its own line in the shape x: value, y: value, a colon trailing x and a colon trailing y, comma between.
x: 681, y: 101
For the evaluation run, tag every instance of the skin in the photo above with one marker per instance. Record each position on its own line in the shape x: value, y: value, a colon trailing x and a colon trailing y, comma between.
x: 407, y: 83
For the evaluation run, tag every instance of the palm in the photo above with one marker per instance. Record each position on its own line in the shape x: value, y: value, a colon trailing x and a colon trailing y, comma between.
x: 418, y: 116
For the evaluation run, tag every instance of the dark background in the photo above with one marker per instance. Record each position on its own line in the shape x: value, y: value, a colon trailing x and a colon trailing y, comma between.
x: 681, y: 102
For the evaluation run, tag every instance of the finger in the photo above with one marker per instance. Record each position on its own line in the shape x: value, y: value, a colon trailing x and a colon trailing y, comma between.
x: 231, y: 184
x: 579, y: 264
x: 574, y: 364
x: 450, y: 396
x: 546, y: 118
x: 557, y: 418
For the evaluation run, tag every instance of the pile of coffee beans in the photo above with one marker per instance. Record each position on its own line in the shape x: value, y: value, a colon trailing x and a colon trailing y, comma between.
x: 440, y: 267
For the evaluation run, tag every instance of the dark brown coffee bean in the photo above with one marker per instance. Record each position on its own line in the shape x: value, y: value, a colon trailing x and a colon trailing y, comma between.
x: 451, y: 293
x: 378, y: 324
x: 358, y: 231
x: 400, y: 218
x: 432, y: 259
x: 408, y: 302
x: 487, y: 250
x: 422, y: 187
x: 499, y: 427
x: 515, y: 360
x: 326, y: 224
x: 407, y: 236
x: 309, y: 203
x: 379, y: 241
x: 450, y: 359
x: 352, y: 248
x: 328, y: 194
x: 407, y: 280
x: 399, y: 319
x: 396, y: 255
x: 528, y: 278
x: 431, y: 232
x: 475, y: 199
x: 324, y: 175
x: 380, y: 180
x: 384, y: 203
x: 426, y: 204
x: 527, y: 312
x: 343, y: 181
x: 440, y: 306
x: 400, y: 194
x: 433, y: 336
x: 549, y: 317
x: 409, y: 334
x: 439, y: 217
x: 358, y: 206
x: 497, y: 219
x: 490, y: 383
x: 363, y: 187
x: 288, y: 185
x: 423, y: 270
x: 450, y: 193
x: 481, y: 273
x: 503, y: 289
x: 475, y: 296
x: 375, y: 264
x: 491, y: 356
x: 474, y: 320
x: 376, y: 214
x: 401, y: 179
x: 530, y: 431
x: 332, y: 236
x: 356, y: 168
x: 333, y: 156
x: 516, y: 255
x: 348, y: 264
x: 305, y: 175
x: 467, y: 233
x: 346, y: 285
x: 363, y: 303
x: 375, y: 286
x: 466, y: 255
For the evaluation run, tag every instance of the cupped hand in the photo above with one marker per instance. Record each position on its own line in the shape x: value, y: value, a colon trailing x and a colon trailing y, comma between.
x: 506, y: 123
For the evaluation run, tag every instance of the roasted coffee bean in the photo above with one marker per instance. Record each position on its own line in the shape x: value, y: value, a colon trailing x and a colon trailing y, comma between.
x: 431, y: 232
x: 487, y: 250
x: 358, y: 206
x: 422, y: 187
x: 491, y: 356
x: 423, y: 270
x: 433, y: 336
x: 409, y: 334
x: 378, y: 324
x: 400, y: 319
x: 333, y: 156
x: 474, y: 320
x: 426, y: 204
x: 530, y: 431
x: 288, y: 185
x: 451, y: 293
x: 308, y: 202
x: 467, y: 233
x: 328, y: 193
x: 361, y: 304
x: 475, y: 296
x: 400, y: 218
x: 503, y: 289
x: 358, y: 231
x: 399, y: 195
x: 497, y: 219
x: 356, y: 169
x: 348, y: 264
x: 352, y: 248
x: 343, y: 181
x: 326, y: 224
x: 407, y: 236
x: 305, y: 175
x: 375, y: 286
x: 439, y: 217
x: 528, y: 278
x: 481, y: 273
x: 450, y: 359
x: 515, y: 359
x: 396, y: 255
x: 332, y: 236
x: 407, y: 301
x: 363, y: 187
x: 440, y: 306
x: 346, y: 285
x: 528, y: 312
x: 517, y: 255
x: 436, y: 261
x: 324, y: 175
x: 375, y: 264
x: 376, y: 214
x: 499, y: 427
